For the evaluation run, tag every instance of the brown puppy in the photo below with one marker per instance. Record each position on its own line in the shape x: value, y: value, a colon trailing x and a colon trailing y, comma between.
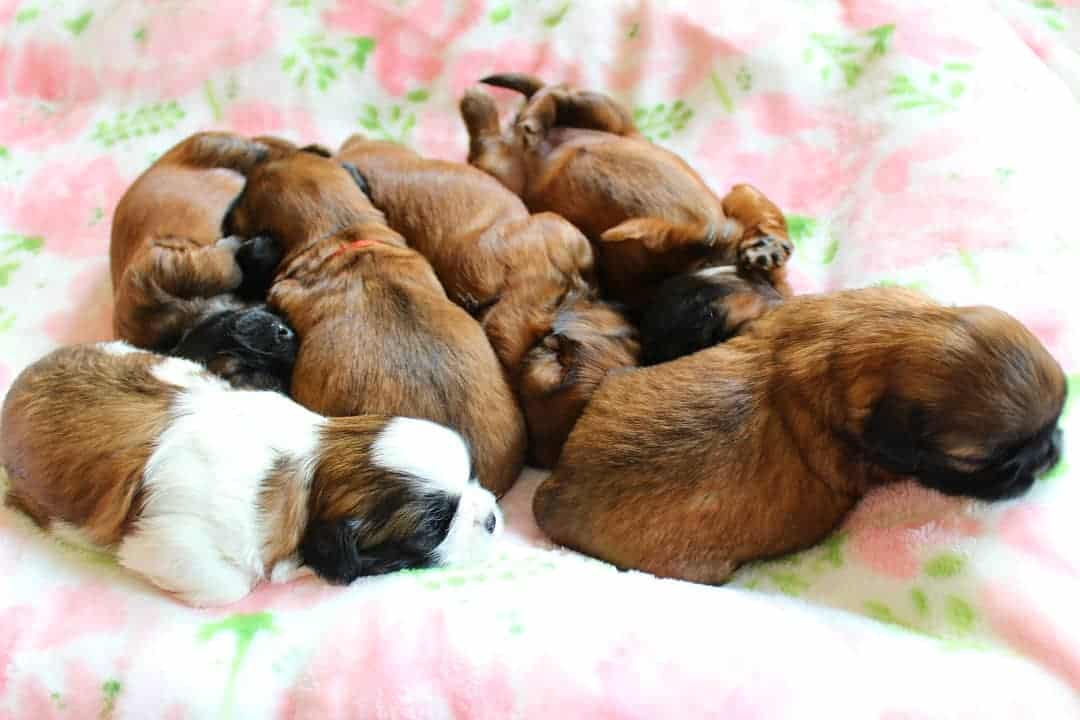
x: 578, y: 154
x: 177, y: 286
x: 759, y: 446
x: 526, y: 278
x: 377, y: 332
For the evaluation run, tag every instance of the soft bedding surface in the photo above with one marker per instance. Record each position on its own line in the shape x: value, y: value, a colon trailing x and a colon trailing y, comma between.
x: 933, y: 144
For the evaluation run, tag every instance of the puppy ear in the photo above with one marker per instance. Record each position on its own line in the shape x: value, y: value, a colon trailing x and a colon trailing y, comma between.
x: 332, y: 551
x: 316, y: 149
x: 358, y: 178
x: 894, y: 435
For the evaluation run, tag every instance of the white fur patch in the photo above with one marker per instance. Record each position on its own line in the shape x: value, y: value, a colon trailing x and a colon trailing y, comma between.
x: 435, y: 455
x: 715, y: 271
x: 117, y: 347
x: 186, y: 374
x: 72, y: 535
x: 730, y: 229
x: 200, y: 534
x: 469, y: 538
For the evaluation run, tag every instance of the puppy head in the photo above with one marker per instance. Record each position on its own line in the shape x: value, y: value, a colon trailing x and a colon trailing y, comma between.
x: 297, y: 198
x: 400, y: 497
x: 971, y: 408
x: 588, y: 339
x: 698, y: 310
x: 251, y: 348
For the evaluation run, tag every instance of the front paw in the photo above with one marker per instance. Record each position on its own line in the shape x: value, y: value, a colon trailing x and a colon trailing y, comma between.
x: 764, y: 252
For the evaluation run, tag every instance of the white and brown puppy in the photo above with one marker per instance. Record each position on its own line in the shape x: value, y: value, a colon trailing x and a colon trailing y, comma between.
x: 206, y: 490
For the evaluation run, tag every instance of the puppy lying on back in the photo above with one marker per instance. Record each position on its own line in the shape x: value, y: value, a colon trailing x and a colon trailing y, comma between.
x: 578, y: 154
x: 377, y: 332
x: 761, y: 445
x: 173, y: 273
x: 526, y: 278
x: 205, y: 490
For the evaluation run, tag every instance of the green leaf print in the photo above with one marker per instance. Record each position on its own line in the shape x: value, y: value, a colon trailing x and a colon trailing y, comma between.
x: 110, y: 690
x: 13, y: 244
x: 394, y: 124
x: 500, y: 14
x: 418, y: 96
x: 721, y: 92
x: 558, y: 16
x: 244, y: 627
x: 883, y: 613
x: 959, y: 614
x: 1051, y: 14
x: 800, y: 227
x: 936, y: 94
x: 788, y: 583
x: 829, y: 254
x: 920, y: 602
x: 7, y: 320
x: 850, y: 55
x: 146, y: 120
x: 660, y: 121
x: 26, y: 15
x: 744, y: 79
x: 316, y: 59
x: 945, y: 565
x: 77, y: 24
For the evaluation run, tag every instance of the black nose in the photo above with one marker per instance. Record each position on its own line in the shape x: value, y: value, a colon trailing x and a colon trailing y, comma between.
x: 490, y: 522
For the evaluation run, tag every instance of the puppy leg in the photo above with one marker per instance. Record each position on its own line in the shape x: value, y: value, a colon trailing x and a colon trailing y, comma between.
x: 638, y: 254
x: 489, y: 149
x: 171, y: 286
x: 763, y: 246
x: 229, y: 151
x: 176, y: 556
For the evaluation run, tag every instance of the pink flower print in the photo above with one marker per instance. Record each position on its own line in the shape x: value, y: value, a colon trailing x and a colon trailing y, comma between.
x: 1047, y: 639
x: 29, y: 124
x: 78, y: 695
x: 891, y: 524
x: 7, y: 10
x: 71, y: 611
x: 923, y: 33
x: 69, y: 204
x: 44, y: 71
x: 1037, y: 531
x: 12, y: 625
x: 894, y: 173
x: 87, y: 313
x: 412, y: 39
x: 6, y: 376
x: 440, y: 134
x: 263, y: 118
x: 179, y: 45
x: 539, y: 60
x: 300, y: 594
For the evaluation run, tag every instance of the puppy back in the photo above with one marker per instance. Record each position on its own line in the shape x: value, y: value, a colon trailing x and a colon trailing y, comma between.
x: 78, y: 428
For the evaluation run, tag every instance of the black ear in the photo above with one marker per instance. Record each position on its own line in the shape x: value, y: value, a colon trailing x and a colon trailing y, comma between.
x: 331, y: 550
x: 258, y: 259
x: 316, y: 149
x: 894, y: 435
x: 358, y: 177
x: 227, y: 218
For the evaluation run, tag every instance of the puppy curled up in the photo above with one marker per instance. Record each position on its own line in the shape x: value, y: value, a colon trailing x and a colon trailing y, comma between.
x: 649, y: 214
x: 377, y: 332
x: 206, y: 490
x: 759, y: 446
x: 528, y: 279
x: 177, y: 285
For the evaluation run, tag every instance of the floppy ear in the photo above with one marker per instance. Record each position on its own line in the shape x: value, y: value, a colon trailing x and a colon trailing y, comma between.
x: 317, y: 149
x: 358, y: 178
x: 331, y: 550
x: 894, y: 435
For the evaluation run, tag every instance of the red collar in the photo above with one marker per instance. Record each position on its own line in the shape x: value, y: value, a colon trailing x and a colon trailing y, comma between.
x: 354, y: 245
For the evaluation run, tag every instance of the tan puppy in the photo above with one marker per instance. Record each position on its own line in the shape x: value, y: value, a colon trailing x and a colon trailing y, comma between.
x: 205, y: 490
x: 377, y: 331
x: 526, y: 278
x: 578, y: 154
x: 760, y: 446
x: 177, y: 286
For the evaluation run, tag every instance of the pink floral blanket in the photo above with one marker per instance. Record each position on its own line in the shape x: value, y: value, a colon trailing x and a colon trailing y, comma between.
x: 930, y: 144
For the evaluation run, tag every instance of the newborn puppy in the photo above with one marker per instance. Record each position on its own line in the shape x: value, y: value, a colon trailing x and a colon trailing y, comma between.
x: 578, y: 154
x: 377, y: 331
x: 205, y: 490
x: 513, y: 271
x: 700, y: 309
x: 171, y: 269
x: 760, y: 446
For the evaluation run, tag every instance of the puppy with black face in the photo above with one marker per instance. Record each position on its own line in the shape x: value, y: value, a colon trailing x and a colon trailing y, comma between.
x: 377, y: 332
x: 176, y: 279
x: 523, y: 277
x: 206, y: 490
x: 648, y: 213
x: 759, y: 446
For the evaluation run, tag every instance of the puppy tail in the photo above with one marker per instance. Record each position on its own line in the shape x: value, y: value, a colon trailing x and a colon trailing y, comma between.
x: 527, y: 85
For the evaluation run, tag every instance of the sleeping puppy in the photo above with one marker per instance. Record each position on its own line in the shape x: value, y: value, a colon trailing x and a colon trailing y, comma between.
x: 526, y: 278
x: 173, y: 273
x: 651, y: 216
x: 693, y: 311
x: 205, y: 490
x: 761, y: 445
x: 377, y: 331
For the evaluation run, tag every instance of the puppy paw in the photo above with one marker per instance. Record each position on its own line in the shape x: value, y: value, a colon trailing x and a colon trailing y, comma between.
x: 231, y: 243
x: 765, y: 252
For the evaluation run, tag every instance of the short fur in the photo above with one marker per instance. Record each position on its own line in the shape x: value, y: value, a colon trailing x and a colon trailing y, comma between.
x: 512, y: 271
x: 377, y: 331
x: 206, y: 490
x: 578, y: 154
x: 171, y: 268
x: 760, y: 446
